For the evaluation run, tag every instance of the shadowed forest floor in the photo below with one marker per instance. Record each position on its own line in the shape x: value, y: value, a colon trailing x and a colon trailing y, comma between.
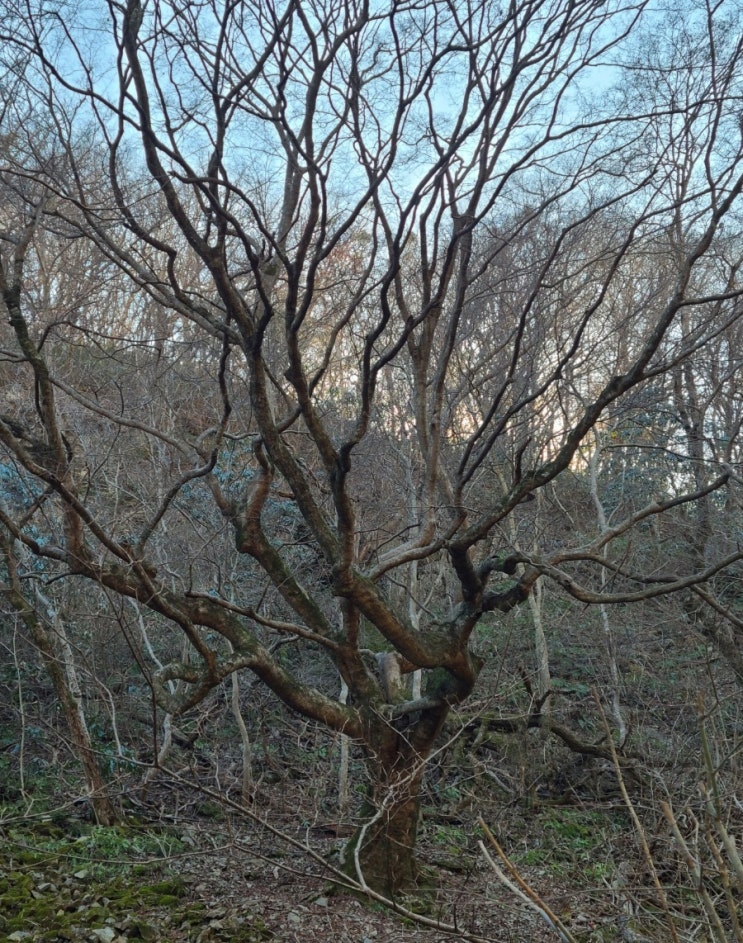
x: 200, y: 880
x: 189, y: 868
x: 206, y: 873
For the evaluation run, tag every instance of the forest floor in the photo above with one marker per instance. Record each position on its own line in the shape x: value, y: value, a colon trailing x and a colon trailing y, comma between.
x: 208, y: 875
x: 189, y: 866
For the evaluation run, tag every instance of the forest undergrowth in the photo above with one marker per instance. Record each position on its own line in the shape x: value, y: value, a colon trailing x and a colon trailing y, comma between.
x: 522, y: 837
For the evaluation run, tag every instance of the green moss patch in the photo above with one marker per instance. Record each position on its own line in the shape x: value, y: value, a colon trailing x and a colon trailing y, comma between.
x: 65, y: 888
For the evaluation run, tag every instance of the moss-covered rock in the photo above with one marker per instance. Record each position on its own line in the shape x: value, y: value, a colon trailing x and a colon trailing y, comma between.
x: 60, y: 886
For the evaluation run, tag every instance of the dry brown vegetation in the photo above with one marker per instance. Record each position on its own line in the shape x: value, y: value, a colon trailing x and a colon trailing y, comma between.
x: 371, y: 466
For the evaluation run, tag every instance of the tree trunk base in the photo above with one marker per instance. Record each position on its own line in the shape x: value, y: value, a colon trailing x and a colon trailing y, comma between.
x: 381, y: 855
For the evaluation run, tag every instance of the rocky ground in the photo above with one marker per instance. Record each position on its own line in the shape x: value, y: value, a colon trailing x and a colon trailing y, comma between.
x: 66, y: 881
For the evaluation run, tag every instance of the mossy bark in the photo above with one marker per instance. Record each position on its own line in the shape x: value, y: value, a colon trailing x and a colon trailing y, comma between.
x: 71, y: 704
x: 381, y: 854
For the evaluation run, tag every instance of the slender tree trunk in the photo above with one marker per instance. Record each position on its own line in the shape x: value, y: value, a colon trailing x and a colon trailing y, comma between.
x: 344, y: 792
x: 70, y: 701
x: 541, y: 650
x: 22, y: 716
x: 609, y: 639
x: 166, y: 742
x: 536, y: 607
x: 247, y: 788
x: 63, y: 673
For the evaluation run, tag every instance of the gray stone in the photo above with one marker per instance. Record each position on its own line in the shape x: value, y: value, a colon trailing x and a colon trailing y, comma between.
x: 104, y: 934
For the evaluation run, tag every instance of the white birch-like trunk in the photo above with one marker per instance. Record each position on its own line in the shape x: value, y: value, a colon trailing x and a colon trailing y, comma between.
x: 344, y: 791
x: 536, y: 608
x: 166, y: 741
x: 609, y: 640
x: 541, y: 649
x: 22, y: 717
x: 246, y: 779
x: 414, y: 615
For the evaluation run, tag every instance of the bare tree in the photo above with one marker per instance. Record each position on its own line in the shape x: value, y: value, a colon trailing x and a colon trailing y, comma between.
x: 355, y: 212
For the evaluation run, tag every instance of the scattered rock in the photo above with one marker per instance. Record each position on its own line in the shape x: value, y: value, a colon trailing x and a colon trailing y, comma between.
x: 104, y: 934
x: 146, y: 931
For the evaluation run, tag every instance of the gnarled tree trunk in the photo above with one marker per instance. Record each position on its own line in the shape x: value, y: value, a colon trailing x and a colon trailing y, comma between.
x: 381, y: 854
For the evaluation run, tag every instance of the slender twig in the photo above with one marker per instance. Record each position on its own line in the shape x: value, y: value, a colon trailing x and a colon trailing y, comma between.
x: 694, y: 867
x: 647, y: 854
x: 519, y: 886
